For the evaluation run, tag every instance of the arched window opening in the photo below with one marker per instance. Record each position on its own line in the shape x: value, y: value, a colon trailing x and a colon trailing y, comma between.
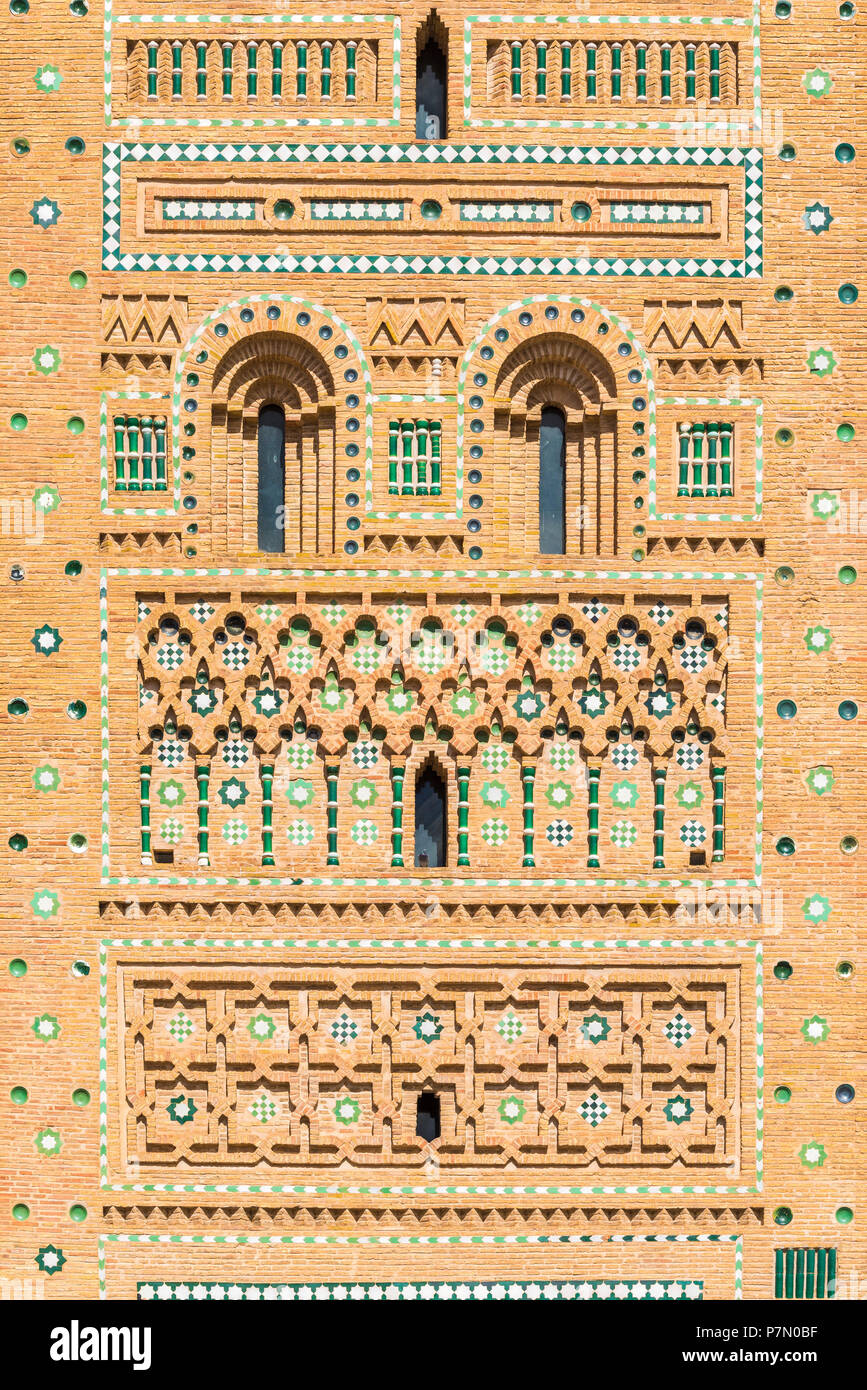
x: 431, y: 80
x: 272, y: 479
x: 430, y: 820
x: 427, y: 1116
x: 552, y: 482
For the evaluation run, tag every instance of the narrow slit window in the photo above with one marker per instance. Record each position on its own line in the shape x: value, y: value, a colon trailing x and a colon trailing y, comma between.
x: 427, y: 1116
x: 552, y: 482
x: 272, y: 479
x: 430, y: 820
x: 430, y: 93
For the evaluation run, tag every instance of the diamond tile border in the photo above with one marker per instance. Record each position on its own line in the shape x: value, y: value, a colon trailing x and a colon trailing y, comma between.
x: 456, y: 1241
x: 117, y: 153
x: 237, y: 20
x: 476, y: 576
x: 753, y: 24
x: 665, y: 1290
x: 490, y: 945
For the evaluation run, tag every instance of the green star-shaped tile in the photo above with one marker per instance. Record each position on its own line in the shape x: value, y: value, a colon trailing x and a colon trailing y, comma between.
x: 689, y: 795
x: 47, y: 359
x: 45, y: 903
x: 818, y: 638
x: 48, y: 78
x: 825, y: 504
x: 495, y: 794
x: 182, y: 1109
x: 300, y: 792
x: 46, y: 778
x: 347, y: 1111
x: 171, y: 793
x: 817, y: 218
x: 677, y: 1110
x: 624, y: 794
x: 267, y: 701
x: 529, y: 705
x: 595, y: 1028
x: 821, y: 361
x: 46, y: 1028
x: 203, y: 701
x: 559, y: 793
x: 812, y: 1155
x: 427, y: 1027
x: 817, y: 82
x: 49, y: 1259
x: 820, y: 780
x: 511, y: 1109
x: 48, y: 1142
x: 45, y: 212
x: 47, y: 498
x: 261, y: 1026
x: 46, y: 640
x: 815, y: 1029
x: 233, y: 792
x: 816, y: 908
x: 363, y: 793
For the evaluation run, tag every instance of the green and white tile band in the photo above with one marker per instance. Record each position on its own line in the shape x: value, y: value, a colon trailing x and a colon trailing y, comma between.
x: 446, y: 881
x: 431, y: 1291
x: 284, y: 21
x: 346, y: 947
x: 116, y: 154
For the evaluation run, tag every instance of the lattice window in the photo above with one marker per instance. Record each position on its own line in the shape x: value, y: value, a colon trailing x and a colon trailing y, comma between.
x: 140, y: 453
x: 320, y: 70
x: 805, y: 1272
x: 705, y: 459
x: 629, y: 71
x: 415, y: 457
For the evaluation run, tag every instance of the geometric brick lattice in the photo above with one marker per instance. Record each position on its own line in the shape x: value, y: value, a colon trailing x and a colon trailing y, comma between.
x: 275, y: 1071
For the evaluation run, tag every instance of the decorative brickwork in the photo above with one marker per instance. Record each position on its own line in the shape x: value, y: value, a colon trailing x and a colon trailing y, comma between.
x: 430, y: 519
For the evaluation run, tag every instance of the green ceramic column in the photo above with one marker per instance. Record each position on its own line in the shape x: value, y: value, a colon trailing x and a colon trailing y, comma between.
x: 201, y: 69
x: 528, y: 785
x: 436, y: 442
x: 712, y: 445
x: 160, y: 432
x: 725, y: 444
x: 301, y: 69
x: 351, y: 51
x: 252, y: 68
x: 325, y: 78
x: 665, y: 74
x: 153, y: 55
x: 658, y: 817
x: 407, y: 438
x: 145, y: 802
x: 541, y: 68
x: 684, y: 435
x: 393, y: 437
x: 566, y: 69
x: 714, y: 72
x: 120, y: 452
x: 398, y: 771
x: 331, y: 771
x: 697, y: 460
x: 516, y: 68
x: 463, y: 775
x: 132, y: 439
x: 277, y: 69
x: 778, y: 1273
x: 590, y: 76
x: 177, y: 71
x: 690, y: 72
x: 594, y: 773
x: 147, y: 453
x: 717, y: 777
x: 422, y: 435
x: 227, y: 69
x: 203, y: 773
x: 641, y: 72
x: 267, y: 771
x: 616, y: 71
